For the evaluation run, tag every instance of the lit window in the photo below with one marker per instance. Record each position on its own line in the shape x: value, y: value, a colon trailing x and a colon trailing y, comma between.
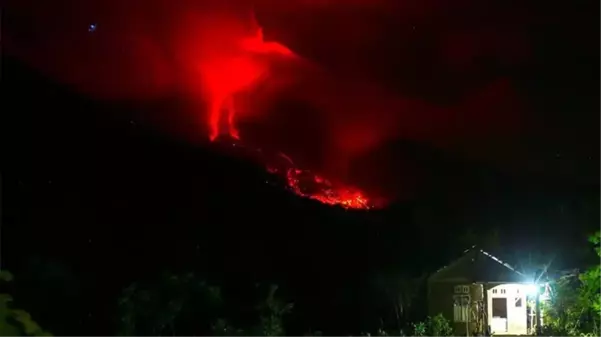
x: 460, y: 313
x: 461, y: 308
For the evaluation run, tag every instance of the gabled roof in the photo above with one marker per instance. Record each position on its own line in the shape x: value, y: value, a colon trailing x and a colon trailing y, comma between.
x: 477, y: 265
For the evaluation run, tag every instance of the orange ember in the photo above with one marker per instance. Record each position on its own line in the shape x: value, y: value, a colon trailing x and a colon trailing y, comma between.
x: 303, y: 183
x: 308, y: 185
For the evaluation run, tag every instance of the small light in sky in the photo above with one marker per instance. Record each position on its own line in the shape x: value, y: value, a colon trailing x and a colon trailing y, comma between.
x: 92, y: 27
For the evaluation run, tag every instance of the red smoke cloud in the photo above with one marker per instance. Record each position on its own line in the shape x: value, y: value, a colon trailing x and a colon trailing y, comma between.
x: 213, y: 51
x: 225, y: 58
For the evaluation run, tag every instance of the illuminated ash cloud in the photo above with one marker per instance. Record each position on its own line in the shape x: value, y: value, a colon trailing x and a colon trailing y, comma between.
x: 213, y: 53
x: 229, y: 72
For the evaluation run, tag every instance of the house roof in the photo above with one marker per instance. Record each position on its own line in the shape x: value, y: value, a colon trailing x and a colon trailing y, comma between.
x: 475, y: 265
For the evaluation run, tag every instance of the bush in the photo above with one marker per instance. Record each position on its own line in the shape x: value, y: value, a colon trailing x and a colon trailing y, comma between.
x: 172, y: 304
x: 433, y: 326
x: 575, y: 309
x: 554, y: 330
x: 15, y: 322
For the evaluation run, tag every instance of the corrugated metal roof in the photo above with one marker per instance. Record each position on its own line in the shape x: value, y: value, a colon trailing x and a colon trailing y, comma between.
x: 483, y: 252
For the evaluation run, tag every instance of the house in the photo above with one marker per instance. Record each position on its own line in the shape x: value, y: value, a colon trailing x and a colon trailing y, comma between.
x: 479, y: 293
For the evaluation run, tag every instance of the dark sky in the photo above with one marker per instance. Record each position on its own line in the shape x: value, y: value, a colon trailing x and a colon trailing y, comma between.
x: 479, y: 114
x: 513, y: 86
x: 404, y: 99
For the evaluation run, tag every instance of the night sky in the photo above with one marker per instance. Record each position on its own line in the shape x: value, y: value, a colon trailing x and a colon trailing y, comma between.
x: 460, y: 114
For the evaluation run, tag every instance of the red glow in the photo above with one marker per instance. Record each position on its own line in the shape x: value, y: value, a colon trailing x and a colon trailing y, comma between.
x: 325, y: 193
x: 305, y: 183
x: 309, y: 185
x: 225, y: 71
x: 226, y: 74
x: 362, y: 55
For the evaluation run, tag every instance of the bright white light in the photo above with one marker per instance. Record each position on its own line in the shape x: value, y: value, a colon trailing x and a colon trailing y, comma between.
x: 531, y: 289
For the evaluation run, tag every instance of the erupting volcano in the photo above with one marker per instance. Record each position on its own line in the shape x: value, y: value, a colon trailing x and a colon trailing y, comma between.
x: 238, y: 68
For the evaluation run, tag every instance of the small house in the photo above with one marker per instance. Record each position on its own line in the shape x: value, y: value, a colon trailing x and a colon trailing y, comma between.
x: 480, y: 294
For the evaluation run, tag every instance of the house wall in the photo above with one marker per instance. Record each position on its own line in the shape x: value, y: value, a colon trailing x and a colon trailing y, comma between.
x: 440, y: 301
x: 516, y: 321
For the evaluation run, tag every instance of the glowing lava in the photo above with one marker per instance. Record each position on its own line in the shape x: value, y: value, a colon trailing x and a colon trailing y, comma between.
x: 309, y: 185
x: 303, y: 183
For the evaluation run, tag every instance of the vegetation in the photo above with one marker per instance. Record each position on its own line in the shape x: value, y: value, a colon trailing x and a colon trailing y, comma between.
x: 400, y: 293
x: 190, y: 304
x: 181, y: 305
x: 154, y: 308
x: 575, y: 307
x: 187, y: 304
x: 15, y: 322
x: 433, y: 326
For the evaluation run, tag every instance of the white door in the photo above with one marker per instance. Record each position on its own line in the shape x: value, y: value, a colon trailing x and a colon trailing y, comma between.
x: 507, y: 309
x: 499, y: 315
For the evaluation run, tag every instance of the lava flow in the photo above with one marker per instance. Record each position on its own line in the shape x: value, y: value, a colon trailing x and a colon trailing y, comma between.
x: 226, y: 72
x: 302, y: 182
x: 309, y: 185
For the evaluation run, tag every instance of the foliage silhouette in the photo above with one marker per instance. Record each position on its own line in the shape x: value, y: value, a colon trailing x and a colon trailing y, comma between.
x: 575, y: 306
x: 15, y: 322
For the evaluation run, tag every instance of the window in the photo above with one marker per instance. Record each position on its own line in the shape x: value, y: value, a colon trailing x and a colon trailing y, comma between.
x: 494, y: 291
x: 503, y: 291
x: 460, y: 313
x: 462, y: 289
x: 461, y: 308
x: 518, y: 302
